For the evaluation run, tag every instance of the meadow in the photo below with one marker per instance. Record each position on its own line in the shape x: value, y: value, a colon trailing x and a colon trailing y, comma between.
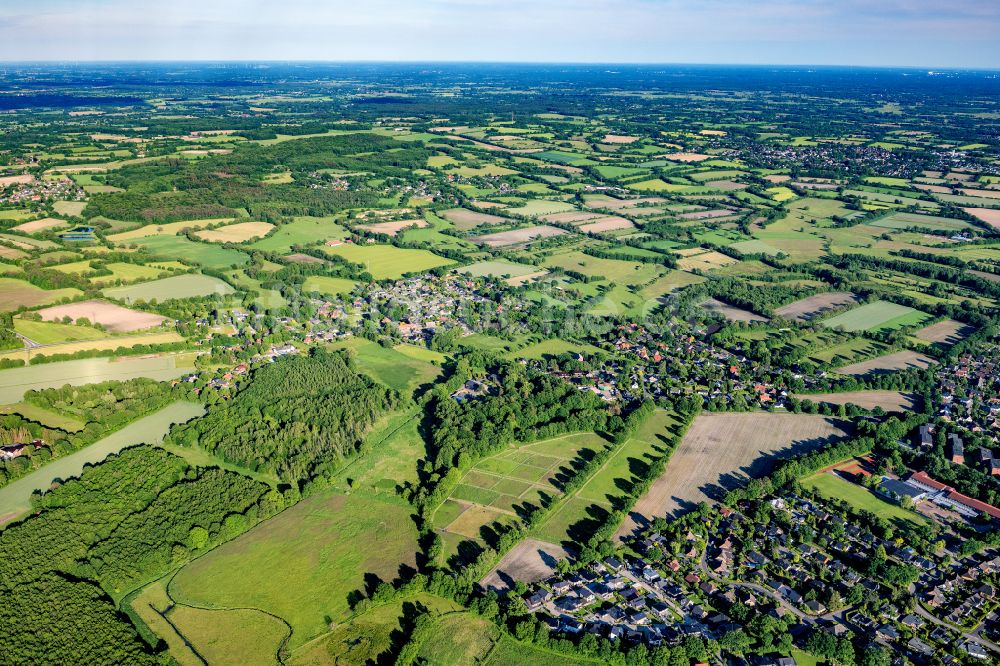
x: 386, y: 262
x: 329, y: 286
x: 301, y: 231
x: 178, y: 286
x: 877, y: 316
x: 180, y: 248
x: 301, y: 565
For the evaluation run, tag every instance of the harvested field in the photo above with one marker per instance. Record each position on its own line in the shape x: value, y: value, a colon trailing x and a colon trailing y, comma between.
x: 572, y: 217
x: 706, y: 214
x: 619, y: 204
x: 900, y: 360
x: 945, y: 332
x: 807, y: 308
x: 732, y: 313
x: 113, y: 317
x: 619, y: 138
x: 606, y: 224
x: 890, y: 401
x: 18, y: 293
x: 166, y: 229
x: 43, y: 224
x: 6, y: 181
x: 518, y: 236
x: 393, y: 228
x: 721, y: 452
x: 530, y: 561
x: 687, y: 157
x: 11, y: 253
x: 990, y: 216
x: 521, y: 279
x: 705, y: 261
x: 299, y: 258
x: 469, y: 219
x: 236, y: 233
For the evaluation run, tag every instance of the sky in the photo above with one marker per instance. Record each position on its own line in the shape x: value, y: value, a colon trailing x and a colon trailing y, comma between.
x: 918, y: 33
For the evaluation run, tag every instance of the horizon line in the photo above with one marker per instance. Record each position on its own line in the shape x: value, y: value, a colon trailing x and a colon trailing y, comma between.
x: 595, y: 63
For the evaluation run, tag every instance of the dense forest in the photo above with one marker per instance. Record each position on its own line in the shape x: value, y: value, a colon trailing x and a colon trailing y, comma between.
x: 299, y: 418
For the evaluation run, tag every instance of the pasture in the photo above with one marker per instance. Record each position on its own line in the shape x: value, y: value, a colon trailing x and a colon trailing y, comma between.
x: 617, y: 271
x: 301, y: 231
x: 235, y: 233
x: 877, y: 316
x: 393, y: 368
x: 16, y: 294
x: 180, y: 248
x: 723, y: 451
x: 330, y: 286
x: 301, y: 564
x: 191, y: 285
x: 113, y: 317
x: 498, y: 269
x: 122, y: 272
x: 47, y: 333
x: 386, y: 262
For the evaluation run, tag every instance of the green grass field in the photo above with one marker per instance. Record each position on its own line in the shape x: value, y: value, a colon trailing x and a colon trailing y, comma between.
x: 552, y: 347
x: 178, y: 286
x: 498, y: 268
x: 877, y: 316
x: 614, y: 270
x: 180, y: 248
x: 301, y: 564
x: 834, y: 487
x: 395, y: 369
x: 330, y: 286
x: 47, y: 418
x: 301, y: 231
x: 127, y: 273
x: 47, y: 333
x: 388, y: 262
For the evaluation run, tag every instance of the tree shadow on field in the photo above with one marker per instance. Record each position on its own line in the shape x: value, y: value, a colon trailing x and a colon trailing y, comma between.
x: 581, y: 530
x: 399, y: 637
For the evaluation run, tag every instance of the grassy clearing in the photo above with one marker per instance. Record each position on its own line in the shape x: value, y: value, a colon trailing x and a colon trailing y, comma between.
x: 397, y: 370
x: 388, y: 262
x: 230, y: 637
x: 330, y: 286
x: 831, y: 486
x: 302, y: 564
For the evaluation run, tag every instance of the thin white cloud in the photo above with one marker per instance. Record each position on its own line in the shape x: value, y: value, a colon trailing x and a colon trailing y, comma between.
x: 918, y: 32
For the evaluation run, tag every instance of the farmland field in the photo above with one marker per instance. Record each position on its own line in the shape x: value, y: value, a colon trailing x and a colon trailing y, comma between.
x: 883, y: 364
x: 877, y: 316
x: 945, y: 332
x: 518, y: 236
x: 122, y: 342
x: 179, y: 286
x: 113, y: 317
x: 47, y: 333
x: 807, y: 308
x: 14, y: 382
x: 330, y: 286
x: 235, y: 233
x: 301, y: 231
x: 16, y: 293
x: 498, y: 269
x: 738, y: 447
x: 614, y: 270
x: 731, y: 312
x: 465, y: 220
x: 301, y: 564
x: 891, y: 401
x: 208, y: 255
x: 15, y: 497
x: 386, y: 261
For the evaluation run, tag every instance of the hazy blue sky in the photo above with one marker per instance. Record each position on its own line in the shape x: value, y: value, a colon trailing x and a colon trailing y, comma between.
x: 924, y: 33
